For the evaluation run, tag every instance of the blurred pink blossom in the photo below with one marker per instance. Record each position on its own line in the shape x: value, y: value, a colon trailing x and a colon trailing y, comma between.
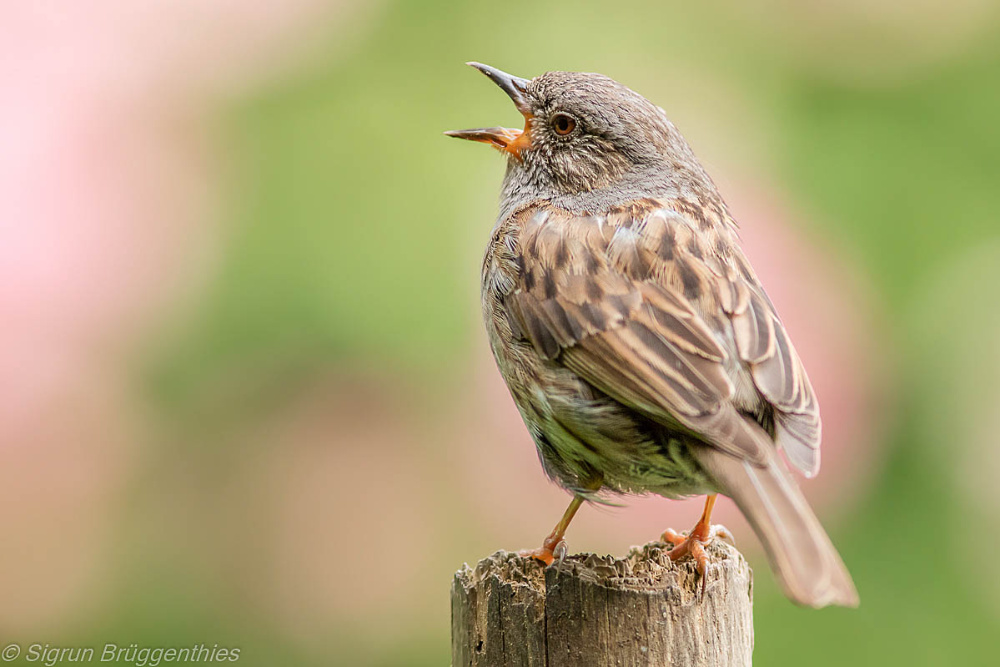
x: 109, y: 210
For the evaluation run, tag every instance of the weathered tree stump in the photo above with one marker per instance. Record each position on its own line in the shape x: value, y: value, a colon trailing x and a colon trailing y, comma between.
x: 589, y: 610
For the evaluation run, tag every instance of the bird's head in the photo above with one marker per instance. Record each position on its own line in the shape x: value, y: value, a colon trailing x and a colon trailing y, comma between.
x: 582, y: 132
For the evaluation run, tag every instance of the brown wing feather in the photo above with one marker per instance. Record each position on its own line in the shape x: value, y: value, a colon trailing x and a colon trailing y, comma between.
x: 611, y: 299
x: 778, y: 374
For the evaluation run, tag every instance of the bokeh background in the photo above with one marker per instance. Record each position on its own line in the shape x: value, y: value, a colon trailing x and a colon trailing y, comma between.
x: 246, y: 397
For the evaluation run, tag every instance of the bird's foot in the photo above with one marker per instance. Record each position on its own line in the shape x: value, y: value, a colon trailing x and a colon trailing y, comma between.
x: 694, y: 544
x: 548, y: 553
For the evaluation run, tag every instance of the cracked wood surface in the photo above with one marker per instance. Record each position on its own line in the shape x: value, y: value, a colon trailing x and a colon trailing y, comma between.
x: 590, y: 610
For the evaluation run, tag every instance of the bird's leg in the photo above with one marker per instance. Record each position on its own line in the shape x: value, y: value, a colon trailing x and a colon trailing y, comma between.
x: 694, y: 542
x: 554, y: 546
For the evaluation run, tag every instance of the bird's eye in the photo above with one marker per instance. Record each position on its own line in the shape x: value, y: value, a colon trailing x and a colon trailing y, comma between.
x: 563, y: 124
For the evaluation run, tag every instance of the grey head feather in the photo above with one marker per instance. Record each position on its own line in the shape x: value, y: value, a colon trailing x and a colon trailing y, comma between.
x: 622, y: 148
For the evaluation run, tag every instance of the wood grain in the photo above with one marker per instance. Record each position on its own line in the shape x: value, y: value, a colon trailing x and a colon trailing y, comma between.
x: 643, y: 609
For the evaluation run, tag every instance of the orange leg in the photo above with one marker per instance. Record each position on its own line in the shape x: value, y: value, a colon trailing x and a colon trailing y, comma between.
x: 554, y: 546
x: 694, y: 542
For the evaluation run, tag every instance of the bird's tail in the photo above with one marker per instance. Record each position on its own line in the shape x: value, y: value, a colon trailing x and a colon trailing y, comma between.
x: 807, y: 565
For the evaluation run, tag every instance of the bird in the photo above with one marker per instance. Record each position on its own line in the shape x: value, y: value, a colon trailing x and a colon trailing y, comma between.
x: 636, y: 340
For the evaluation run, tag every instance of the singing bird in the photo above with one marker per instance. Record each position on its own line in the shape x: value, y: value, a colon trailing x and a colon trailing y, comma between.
x: 639, y: 346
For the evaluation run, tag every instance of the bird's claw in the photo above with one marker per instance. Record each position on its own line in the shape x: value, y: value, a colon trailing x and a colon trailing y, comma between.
x: 548, y: 553
x: 560, y: 551
x: 693, y: 544
x: 722, y: 533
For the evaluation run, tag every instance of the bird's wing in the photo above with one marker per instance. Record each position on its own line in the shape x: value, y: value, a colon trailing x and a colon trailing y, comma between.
x: 647, y: 306
x: 778, y: 374
x: 765, y: 349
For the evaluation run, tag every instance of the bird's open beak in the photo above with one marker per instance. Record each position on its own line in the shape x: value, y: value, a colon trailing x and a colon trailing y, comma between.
x: 504, y: 138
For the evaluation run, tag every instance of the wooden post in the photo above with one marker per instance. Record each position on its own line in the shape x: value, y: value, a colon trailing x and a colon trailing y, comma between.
x: 589, y: 610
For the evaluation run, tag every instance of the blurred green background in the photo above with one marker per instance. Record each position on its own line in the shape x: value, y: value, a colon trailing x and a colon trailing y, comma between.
x: 249, y: 400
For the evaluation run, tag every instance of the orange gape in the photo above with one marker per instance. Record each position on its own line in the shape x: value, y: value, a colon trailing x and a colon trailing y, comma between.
x: 523, y: 140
